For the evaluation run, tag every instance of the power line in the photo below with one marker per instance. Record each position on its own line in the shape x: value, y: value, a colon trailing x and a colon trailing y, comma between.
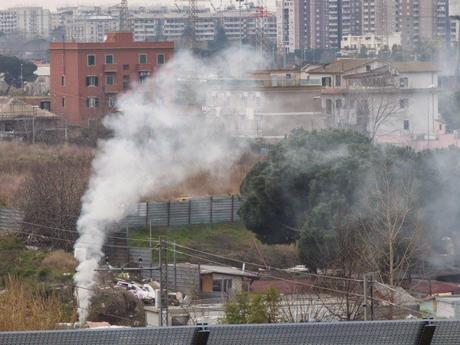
x: 354, y: 294
x: 77, y: 233
x: 271, y: 267
x: 72, y: 241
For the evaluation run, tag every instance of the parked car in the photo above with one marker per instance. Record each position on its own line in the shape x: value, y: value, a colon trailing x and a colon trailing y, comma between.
x: 144, y: 292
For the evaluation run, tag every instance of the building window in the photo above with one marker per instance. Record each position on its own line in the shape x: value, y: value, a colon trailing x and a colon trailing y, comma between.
x: 91, y: 60
x: 125, y: 67
x: 63, y: 102
x: 338, y: 81
x: 221, y: 285
x: 142, y: 58
x: 62, y: 80
x: 125, y: 82
x: 329, y: 106
x: 338, y: 104
x: 92, y: 80
x: 403, y: 103
x: 404, y: 82
x: 92, y: 102
x: 109, y: 59
x: 161, y: 59
x: 143, y: 76
x: 111, y: 101
x: 110, y: 79
x: 406, y: 125
x: 326, y: 81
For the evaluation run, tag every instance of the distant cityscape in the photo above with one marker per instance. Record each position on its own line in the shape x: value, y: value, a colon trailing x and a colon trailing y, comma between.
x: 349, y: 26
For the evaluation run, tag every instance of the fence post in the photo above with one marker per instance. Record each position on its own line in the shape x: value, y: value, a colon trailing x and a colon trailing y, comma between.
x: 210, y: 209
x: 233, y: 209
x: 190, y: 212
x: 147, y: 214
x: 169, y: 213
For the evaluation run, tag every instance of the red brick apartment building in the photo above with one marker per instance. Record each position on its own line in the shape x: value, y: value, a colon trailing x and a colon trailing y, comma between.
x: 87, y: 77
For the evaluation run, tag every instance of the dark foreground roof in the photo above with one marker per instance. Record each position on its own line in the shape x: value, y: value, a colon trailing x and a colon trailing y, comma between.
x: 338, y: 333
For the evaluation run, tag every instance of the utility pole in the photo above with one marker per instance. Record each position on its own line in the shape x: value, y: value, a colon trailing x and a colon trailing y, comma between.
x: 368, y: 293
x: 163, y: 259
x: 365, y: 298
x: 34, y: 114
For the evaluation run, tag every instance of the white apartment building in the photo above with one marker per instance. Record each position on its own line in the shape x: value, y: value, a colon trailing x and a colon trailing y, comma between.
x: 8, y: 22
x: 90, y: 29
x: 33, y: 21
x: 381, y: 99
x: 171, y: 25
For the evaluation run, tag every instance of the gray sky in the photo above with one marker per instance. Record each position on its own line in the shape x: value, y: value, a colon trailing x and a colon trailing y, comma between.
x: 52, y: 4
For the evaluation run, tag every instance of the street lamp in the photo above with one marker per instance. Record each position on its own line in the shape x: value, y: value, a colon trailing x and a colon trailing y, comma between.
x: 22, y: 77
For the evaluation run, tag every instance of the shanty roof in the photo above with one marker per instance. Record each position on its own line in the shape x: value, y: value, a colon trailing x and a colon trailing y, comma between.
x: 231, y: 271
x: 435, y: 287
x: 345, y: 65
x: 11, y: 107
x: 414, y: 67
x: 340, y: 66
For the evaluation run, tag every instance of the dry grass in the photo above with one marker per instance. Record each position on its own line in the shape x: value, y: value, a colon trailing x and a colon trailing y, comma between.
x: 60, y: 261
x: 18, y: 160
x: 225, y: 181
x: 24, y: 308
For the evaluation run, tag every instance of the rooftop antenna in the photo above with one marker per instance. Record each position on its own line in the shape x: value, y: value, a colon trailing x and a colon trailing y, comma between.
x: 124, y: 17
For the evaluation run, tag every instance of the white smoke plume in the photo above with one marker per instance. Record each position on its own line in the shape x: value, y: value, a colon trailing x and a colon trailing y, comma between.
x: 156, y: 143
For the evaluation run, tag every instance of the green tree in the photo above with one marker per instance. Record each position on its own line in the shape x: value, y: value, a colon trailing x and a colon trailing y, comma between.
x: 10, y: 67
x: 306, y: 177
x: 251, y: 308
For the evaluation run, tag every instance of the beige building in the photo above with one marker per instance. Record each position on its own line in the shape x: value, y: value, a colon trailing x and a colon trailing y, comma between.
x: 352, y: 45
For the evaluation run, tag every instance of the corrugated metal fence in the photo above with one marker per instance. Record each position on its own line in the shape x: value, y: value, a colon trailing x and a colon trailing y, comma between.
x: 339, y: 333
x: 10, y: 219
x: 223, y: 209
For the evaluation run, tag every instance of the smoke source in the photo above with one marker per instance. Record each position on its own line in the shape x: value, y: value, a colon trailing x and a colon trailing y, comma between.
x: 156, y: 143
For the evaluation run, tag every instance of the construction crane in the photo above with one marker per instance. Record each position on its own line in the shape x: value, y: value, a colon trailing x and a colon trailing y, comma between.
x: 261, y: 18
x: 124, y: 17
x: 192, y: 20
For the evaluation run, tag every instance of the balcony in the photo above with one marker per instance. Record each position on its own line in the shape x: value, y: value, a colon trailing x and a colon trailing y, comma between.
x: 111, y: 68
x: 144, y: 67
x: 114, y: 88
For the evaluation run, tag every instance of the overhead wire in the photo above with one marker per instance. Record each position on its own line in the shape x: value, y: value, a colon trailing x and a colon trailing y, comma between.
x: 271, y: 267
x: 296, y: 282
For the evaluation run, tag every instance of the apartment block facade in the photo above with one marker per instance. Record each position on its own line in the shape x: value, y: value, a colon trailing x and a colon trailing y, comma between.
x: 304, y: 24
x: 86, y: 78
x: 31, y: 22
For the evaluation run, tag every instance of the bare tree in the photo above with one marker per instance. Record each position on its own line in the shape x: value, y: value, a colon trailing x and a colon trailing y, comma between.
x: 51, y: 201
x: 374, y: 108
x: 392, y: 234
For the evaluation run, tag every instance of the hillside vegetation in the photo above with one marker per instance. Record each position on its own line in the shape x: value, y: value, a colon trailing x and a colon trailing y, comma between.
x: 231, y: 240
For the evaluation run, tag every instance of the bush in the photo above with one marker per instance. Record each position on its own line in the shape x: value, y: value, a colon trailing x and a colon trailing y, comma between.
x: 60, y: 261
x: 117, y: 307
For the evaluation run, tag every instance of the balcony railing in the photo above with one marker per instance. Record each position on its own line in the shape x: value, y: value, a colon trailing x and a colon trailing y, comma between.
x: 141, y: 67
x: 114, y: 88
x: 111, y: 68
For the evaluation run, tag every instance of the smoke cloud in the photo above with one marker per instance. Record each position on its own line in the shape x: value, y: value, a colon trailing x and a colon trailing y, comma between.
x: 160, y: 137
